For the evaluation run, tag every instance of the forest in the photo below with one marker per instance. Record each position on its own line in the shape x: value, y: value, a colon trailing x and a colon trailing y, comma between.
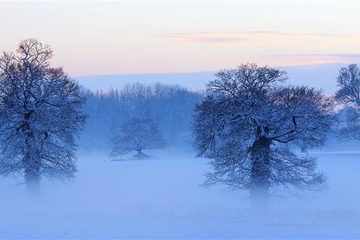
x: 169, y: 106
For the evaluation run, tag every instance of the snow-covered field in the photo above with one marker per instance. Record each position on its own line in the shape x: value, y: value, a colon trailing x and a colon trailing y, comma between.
x: 162, y: 198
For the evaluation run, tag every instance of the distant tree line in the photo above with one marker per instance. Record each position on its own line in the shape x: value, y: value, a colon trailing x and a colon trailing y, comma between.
x: 170, y: 107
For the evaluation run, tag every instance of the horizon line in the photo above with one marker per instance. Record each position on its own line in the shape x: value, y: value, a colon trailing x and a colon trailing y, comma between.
x: 205, y: 71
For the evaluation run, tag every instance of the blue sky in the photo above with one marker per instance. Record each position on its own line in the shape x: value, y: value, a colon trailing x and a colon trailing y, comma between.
x: 118, y: 37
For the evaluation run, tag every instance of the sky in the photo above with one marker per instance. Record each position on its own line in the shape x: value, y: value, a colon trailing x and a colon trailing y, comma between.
x: 129, y: 37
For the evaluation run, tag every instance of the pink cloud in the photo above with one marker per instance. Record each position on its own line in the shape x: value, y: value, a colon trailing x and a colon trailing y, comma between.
x: 253, y: 37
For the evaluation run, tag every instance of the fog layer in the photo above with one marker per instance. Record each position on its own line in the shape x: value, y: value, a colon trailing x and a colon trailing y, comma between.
x: 162, y: 198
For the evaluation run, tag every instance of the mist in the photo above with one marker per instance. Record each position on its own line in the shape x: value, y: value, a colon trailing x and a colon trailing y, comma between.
x: 163, y: 196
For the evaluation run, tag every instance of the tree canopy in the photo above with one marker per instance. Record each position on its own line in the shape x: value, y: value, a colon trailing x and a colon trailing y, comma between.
x: 246, y: 124
x: 349, y: 95
x: 40, y: 114
x: 137, y: 135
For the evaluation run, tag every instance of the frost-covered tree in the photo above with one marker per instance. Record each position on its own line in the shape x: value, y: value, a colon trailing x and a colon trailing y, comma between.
x: 137, y: 135
x: 246, y: 124
x: 40, y: 114
x: 349, y: 95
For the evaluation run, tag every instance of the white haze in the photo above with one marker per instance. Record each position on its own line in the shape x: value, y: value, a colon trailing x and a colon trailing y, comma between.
x: 162, y: 198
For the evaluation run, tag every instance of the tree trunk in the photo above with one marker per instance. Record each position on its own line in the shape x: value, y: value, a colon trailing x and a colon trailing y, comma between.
x: 30, y: 160
x: 32, y: 175
x: 260, y: 173
x: 32, y: 180
x: 140, y: 154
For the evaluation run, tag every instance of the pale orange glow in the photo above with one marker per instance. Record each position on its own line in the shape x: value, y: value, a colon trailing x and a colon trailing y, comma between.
x: 185, y: 36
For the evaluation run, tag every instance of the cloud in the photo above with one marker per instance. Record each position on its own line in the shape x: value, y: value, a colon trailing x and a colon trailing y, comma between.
x: 310, y: 59
x: 253, y: 37
x: 288, y: 34
x: 332, y: 57
x: 335, y: 55
x: 205, y: 37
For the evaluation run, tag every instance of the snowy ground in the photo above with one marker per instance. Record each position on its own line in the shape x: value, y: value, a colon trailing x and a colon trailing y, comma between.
x: 161, y: 198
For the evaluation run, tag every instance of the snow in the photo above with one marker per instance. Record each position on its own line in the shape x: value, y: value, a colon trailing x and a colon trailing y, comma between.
x: 162, y: 198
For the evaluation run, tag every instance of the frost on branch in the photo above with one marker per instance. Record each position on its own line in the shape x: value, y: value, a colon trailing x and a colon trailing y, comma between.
x: 247, y: 123
x: 40, y: 114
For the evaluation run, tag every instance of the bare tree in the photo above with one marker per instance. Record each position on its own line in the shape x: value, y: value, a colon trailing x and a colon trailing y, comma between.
x: 349, y: 83
x: 246, y: 124
x: 40, y: 113
x: 137, y: 135
x: 349, y: 95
